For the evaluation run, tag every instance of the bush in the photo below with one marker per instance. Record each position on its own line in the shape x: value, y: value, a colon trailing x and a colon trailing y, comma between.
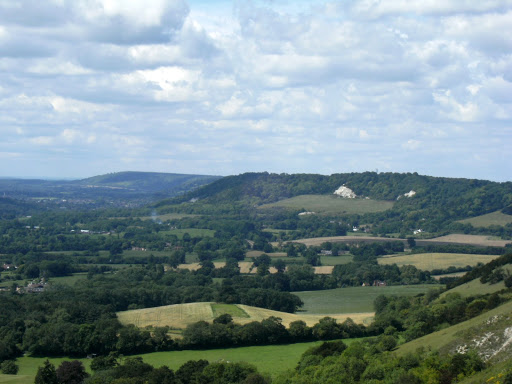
x: 9, y: 367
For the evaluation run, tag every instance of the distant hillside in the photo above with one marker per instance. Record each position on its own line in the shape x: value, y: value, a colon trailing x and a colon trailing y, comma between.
x: 420, y: 202
x: 115, y: 189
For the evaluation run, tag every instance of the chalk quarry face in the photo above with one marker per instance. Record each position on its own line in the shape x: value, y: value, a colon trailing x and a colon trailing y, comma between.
x: 345, y: 192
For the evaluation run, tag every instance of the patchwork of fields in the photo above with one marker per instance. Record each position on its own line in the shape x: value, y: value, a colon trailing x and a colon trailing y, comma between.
x: 493, y: 218
x: 178, y: 316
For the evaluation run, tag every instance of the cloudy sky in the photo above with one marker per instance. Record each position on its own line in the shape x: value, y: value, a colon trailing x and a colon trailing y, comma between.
x: 223, y: 87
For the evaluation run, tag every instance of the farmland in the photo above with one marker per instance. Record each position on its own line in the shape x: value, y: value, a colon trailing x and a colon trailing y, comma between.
x: 330, y: 205
x: 493, y: 218
x: 353, y: 299
x: 481, y: 240
x: 271, y: 359
x: 178, y: 316
x: 430, y: 261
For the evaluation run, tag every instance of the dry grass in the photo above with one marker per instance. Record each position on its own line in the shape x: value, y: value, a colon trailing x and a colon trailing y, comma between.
x: 324, y: 270
x: 430, y: 261
x: 180, y: 315
x: 486, y: 241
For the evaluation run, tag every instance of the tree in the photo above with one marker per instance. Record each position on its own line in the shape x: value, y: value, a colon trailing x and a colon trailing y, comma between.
x: 9, y: 367
x: 46, y: 374
x: 411, y: 241
x: 71, y: 372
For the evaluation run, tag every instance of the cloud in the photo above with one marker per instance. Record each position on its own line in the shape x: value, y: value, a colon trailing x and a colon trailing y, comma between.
x: 278, y: 86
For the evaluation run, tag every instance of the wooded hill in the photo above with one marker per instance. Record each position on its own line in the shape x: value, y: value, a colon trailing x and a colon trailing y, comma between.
x: 116, y: 189
x: 435, y: 206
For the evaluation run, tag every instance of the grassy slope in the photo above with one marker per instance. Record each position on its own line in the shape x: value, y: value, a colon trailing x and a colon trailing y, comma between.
x: 329, y: 204
x: 430, y: 261
x: 353, y: 299
x: 181, y: 315
x: 446, y: 338
x: 493, y: 218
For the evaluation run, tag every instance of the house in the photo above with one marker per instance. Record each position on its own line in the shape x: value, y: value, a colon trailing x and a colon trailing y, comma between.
x: 379, y: 283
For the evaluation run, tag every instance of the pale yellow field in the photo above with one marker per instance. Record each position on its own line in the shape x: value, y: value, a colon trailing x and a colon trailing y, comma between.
x: 486, y: 241
x: 180, y: 315
x: 430, y: 261
x: 247, y: 267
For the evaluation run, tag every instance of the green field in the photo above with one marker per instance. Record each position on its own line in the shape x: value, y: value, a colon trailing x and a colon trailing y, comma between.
x: 493, y: 218
x: 354, y: 299
x: 475, y: 287
x: 336, y: 260
x: 430, y: 261
x: 230, y: 309
x: 271, y: 359
x: 330, y: 204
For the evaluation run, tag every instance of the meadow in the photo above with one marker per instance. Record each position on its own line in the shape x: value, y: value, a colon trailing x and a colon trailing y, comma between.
x: 269, y: 359
x: 353, y: 299
x: 430, y: 261
x: 330, y: 204
x: 493, y: 218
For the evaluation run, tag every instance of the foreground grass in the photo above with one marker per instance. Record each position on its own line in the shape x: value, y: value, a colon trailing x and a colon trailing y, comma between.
x: 329, y: 204
x: 354, y: 299
x: 271, y: 359
x: 430, y: 261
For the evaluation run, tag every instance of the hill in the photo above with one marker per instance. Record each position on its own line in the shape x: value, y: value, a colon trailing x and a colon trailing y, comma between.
x: 115, y: 189
x: 399, y: 202
x: 490, y: 334
x: 180, y: 315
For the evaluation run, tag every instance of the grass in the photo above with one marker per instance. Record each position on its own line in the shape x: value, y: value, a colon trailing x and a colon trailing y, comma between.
x: 482, y: 240
x: 430, y: 261
x: 332, y: 205
x: 475, y: 288
x: 231, y: 309
x: 336, y: 260
x: 353, y: 299
x: 446, y: 338
x: 178, y: 316
x: 493, y: 218
x: 271, y: 359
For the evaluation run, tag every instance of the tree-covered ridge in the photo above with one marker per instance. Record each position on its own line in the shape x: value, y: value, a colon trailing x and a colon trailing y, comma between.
x: 437, y: 203
x: 115, y: 189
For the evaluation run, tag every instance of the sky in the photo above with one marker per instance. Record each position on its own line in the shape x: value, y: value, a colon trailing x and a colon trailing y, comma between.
x: 89, y: 87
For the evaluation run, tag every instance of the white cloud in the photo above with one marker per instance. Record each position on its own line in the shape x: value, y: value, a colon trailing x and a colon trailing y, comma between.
x: 257, y: 86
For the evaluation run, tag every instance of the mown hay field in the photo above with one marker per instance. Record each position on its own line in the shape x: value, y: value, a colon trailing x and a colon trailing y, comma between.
x: 178, y: 316
x: 493, y: 218
x: 330, y: 204
x: 430, y: 261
